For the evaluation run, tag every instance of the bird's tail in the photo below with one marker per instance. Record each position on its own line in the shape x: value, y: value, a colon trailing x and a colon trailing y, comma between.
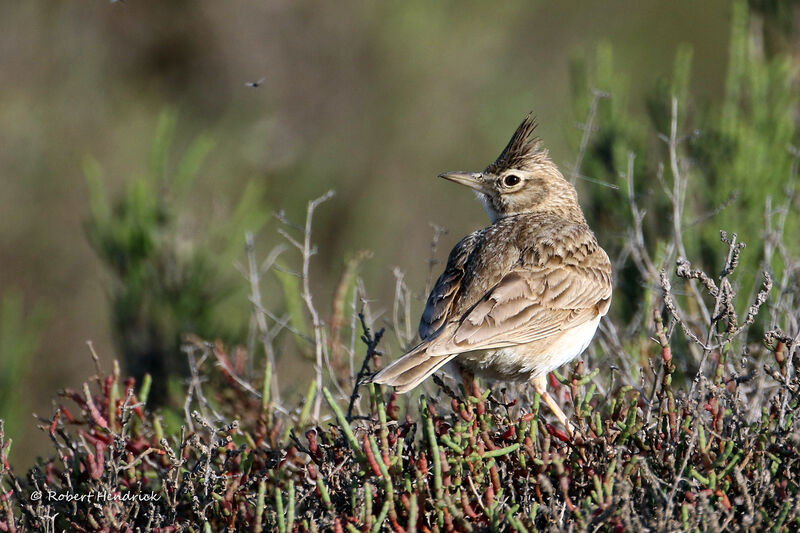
x: 412, y: 368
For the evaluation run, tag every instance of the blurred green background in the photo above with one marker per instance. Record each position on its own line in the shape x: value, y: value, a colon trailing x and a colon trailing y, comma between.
x: 372, y: 99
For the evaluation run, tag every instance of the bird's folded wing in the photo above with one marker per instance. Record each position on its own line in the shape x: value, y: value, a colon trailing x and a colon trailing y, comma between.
x: 529, y: 305
x: 440, y: 302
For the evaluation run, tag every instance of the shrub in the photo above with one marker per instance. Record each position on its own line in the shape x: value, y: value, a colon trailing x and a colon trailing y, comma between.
x: 687, y: 420
x: 165, y: 280
x: 717, y: 453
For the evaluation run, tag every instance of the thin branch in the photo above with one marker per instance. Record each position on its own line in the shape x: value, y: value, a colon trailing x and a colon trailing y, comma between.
x: 372, y: 342
x: 308, y: 251
x: 401, y: 304
x: 637, y: 245
x: 587, y: 132
x: 438, y: 231
x: 678, y: 197
x: 254, y: 277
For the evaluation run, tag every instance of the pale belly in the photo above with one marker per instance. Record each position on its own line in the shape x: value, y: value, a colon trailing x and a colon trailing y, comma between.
x: 523, y: 362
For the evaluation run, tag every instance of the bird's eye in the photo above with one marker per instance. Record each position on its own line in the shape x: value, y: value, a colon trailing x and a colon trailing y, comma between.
x: 511, y: 180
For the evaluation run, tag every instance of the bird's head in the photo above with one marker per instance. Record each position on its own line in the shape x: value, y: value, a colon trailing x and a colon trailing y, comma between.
x: 522, y: 179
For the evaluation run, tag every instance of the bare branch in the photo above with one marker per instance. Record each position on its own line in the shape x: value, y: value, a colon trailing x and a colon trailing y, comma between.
x: 587, y: 132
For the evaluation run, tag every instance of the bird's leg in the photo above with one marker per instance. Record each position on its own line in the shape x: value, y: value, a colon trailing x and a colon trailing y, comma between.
x: 540, y: 385
x: 468, y: 380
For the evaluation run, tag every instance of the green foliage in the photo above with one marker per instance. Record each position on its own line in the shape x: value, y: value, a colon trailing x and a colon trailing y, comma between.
x: 687, y: 422
x: 705, y: 437
x: 645, y: 456
x: 19, y: 339
x: 744, y: 149
x: 166, y: 282
x: 735, y: 155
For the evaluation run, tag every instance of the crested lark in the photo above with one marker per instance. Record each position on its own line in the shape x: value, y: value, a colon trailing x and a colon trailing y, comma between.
x: 522, y: 296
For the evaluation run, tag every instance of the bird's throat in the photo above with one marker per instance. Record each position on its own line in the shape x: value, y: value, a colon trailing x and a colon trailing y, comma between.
x: 487, y: 205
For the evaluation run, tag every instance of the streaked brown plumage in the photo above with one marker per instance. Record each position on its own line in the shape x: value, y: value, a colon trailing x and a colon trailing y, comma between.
x: 522, y: 296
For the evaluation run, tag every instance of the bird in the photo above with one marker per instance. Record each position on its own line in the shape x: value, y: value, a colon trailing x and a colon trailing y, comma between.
x: 256, y: 83
x: 522, y: 296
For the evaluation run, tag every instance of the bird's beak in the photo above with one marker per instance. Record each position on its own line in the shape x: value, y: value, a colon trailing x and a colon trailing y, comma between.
x: 473, y: 180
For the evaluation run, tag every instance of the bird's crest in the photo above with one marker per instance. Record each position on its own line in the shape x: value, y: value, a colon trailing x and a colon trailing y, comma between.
x: 521, y: 150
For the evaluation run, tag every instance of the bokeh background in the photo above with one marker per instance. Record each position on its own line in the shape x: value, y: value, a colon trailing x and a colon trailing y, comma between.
x: 372, y: 99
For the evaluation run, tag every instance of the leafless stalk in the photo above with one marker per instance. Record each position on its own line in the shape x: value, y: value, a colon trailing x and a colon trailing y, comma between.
x: 636, y: 244
x: 724, y: 312
x: 372, y: 342
x: 587, y: 127
x: 195, y: 388
x: 679, y: 474
x: 351, y: 348
x: 401, y: 306
x: 253, y: 275
x: 308, y: 250
x: 609, y: 338
x: 678, y: 199
x: 283, y: 323
x: 95, y: 358
x: 438, y: 231
x: 672, y: 307
x: 331, y: 371
x: 732, y: 197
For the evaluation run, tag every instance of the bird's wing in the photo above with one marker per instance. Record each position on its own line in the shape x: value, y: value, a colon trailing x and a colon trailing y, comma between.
x: 448, y: 289
x: 443, y: 302
x: 439, y: 307
x: 529, y: 305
